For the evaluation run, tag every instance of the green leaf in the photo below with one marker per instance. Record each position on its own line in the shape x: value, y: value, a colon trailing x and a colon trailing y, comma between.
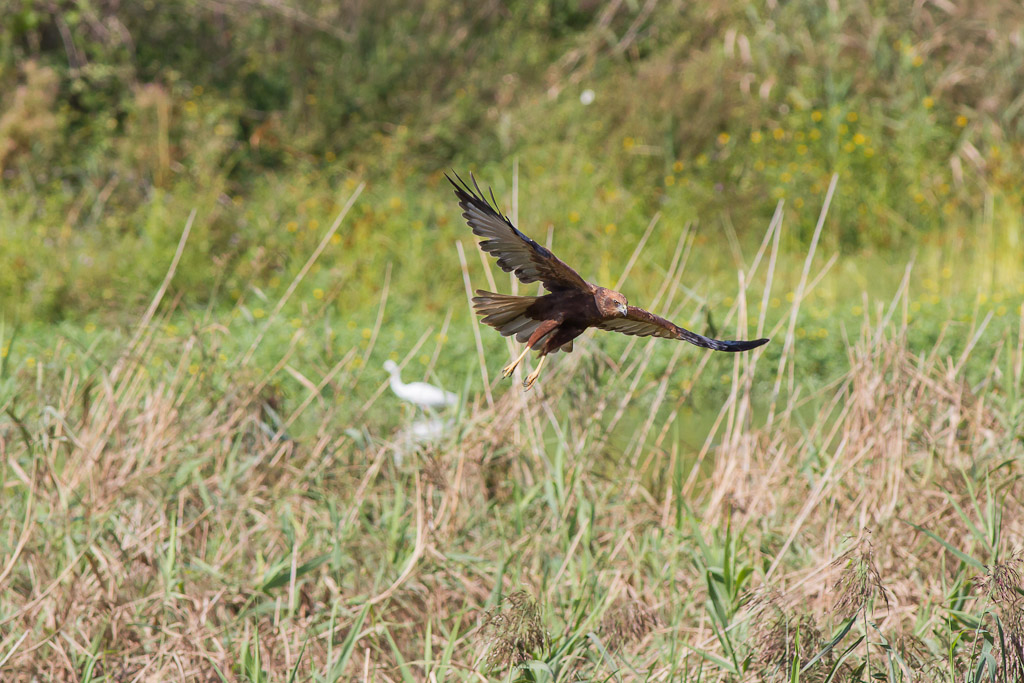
x: 956, y: 551
x: 283, y: 573
x: 347, y: 646
x: 830, y: 645
x: 724, y: 664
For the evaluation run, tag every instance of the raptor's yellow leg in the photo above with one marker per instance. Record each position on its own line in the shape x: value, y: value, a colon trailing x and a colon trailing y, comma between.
x: 528, y: 382
x: 511, y: 367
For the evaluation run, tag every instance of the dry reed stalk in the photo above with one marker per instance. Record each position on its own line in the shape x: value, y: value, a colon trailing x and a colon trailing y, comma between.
x: 301, y: 275
x: 481, y: 359
x: 787, y: 347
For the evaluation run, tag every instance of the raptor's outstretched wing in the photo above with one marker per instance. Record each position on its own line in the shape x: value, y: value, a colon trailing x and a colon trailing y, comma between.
x: 515, y: 251
x: 643, y: 323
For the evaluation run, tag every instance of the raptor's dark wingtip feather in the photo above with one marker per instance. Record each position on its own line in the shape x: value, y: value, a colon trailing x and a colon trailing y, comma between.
x: 460, y: 187
x: 468, y: 197
x: 734, y: 346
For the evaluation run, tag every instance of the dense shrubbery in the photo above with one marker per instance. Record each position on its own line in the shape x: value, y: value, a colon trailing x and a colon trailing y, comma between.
x: 120, y: 118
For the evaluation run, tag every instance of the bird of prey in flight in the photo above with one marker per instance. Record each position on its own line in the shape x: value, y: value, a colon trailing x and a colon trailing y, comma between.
x: 551, y: 322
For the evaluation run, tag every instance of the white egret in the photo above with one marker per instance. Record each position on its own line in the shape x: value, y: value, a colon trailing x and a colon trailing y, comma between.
x: 419, y: 393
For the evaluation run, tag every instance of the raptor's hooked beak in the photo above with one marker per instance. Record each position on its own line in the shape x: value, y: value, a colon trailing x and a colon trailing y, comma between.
x: 623, y: 309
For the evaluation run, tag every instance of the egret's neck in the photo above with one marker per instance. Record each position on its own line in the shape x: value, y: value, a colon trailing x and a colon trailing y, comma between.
x: 396, y: 382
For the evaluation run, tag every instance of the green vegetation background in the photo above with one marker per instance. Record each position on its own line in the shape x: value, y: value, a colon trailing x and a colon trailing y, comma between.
x: 118, y: 119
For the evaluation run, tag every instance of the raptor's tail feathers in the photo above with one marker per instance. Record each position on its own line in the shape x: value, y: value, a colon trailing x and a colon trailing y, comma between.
x: 506, y: 313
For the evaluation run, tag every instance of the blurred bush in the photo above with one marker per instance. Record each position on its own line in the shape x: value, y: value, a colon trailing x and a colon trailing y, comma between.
x: 118, y: 118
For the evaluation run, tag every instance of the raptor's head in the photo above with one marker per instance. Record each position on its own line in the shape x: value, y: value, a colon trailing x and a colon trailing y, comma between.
x: 610, y: 304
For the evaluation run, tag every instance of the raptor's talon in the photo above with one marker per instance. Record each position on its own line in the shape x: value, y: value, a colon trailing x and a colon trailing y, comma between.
x: 532, y: 377
x: 511, y: 367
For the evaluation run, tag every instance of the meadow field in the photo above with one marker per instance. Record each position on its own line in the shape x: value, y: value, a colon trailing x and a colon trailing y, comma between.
x: 219, y: 219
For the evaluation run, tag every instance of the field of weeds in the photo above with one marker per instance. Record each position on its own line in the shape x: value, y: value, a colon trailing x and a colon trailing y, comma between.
x: 218, y: 221
x: 169, y: 516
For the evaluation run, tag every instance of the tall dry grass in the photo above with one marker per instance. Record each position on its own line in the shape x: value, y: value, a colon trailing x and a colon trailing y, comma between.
x: 162, y: 526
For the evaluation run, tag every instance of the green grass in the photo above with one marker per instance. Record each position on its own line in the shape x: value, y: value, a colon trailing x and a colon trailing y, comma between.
x: 224, y: 497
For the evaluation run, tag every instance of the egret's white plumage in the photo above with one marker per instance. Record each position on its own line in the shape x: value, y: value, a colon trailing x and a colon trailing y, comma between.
x: 419, y: 393
x: 420, y: 434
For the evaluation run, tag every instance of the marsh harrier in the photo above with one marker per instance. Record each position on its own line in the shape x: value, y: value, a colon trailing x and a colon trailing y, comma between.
x: 551, y: 322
